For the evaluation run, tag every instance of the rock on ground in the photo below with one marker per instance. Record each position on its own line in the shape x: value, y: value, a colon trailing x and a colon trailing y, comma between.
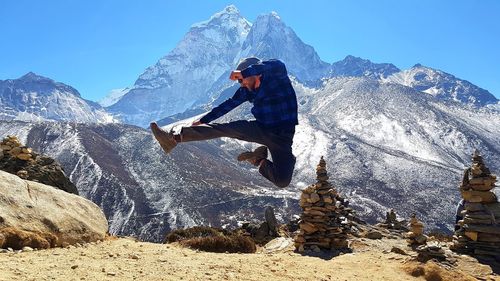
x: 40, y: 216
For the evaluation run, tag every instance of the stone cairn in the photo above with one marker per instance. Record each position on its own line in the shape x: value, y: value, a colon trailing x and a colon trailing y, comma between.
x: 11, y: 146
x: 417, y: 240
x: 25, y: 163
x: 479, y: 231
x: 324, y: 223
x: 416, y: 235
x: 392, y: 222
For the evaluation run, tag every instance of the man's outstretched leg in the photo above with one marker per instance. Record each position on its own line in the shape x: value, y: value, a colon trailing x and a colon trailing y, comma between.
x: 249, y: 131
x: 279, y: 171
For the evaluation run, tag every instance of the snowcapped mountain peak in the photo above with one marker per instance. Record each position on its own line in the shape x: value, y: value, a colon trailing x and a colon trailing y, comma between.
x: 31, y: 76
x: 270, y: 37
x: 358, y: 67
x: 41, y: 84
x: 182, y: 77
x: 34, y: 97
x: 113, y: 96
x: 228, y: 18
x: 231, y: 9
x: 275, y: 14
x: 353, y: 58
x: 422, y: 67
x: 442, y: 85
x: 270, y: 21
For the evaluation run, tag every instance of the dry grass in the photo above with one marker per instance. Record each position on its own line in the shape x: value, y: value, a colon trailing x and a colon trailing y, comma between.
x: 211, y: 239
x: 17, y: 239
x: 193, y: 232
x: 433, y: 272
x: 222, y: 244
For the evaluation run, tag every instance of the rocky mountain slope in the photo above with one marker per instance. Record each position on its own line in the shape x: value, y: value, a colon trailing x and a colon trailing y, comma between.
x: 442, y: 85
x: 386, y: 146
x: 144, y: 192
x: 36, y: 98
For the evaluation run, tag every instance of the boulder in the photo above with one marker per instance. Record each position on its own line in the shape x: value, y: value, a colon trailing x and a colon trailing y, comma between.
x: 278, y: 244
x: 271, y: 220
x: 40, y: 216
x: 373, y: 234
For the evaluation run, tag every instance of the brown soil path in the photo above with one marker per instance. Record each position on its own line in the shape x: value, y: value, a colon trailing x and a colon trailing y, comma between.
x: 126, y: 259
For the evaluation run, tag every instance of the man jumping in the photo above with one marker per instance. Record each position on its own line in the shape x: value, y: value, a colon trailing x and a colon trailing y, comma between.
x: 265, y: 84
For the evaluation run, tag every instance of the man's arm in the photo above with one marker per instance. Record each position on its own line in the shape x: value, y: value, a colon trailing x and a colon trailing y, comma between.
x: 238, y: 98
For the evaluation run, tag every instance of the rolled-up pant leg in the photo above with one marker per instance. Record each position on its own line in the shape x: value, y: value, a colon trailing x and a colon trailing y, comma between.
x: 279, y: 171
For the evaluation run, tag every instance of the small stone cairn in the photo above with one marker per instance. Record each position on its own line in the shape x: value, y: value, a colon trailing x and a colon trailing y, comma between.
x: 415, y: 236
x: 417, y: 240
x: 430, y: 251
x: 392, y: 222
x: 324, y: 223
x: 25, y: 163
x: 479, y: 232
x: 11, y: 146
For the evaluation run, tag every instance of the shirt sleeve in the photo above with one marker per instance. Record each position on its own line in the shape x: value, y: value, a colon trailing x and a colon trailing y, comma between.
x: 239, y: 97
x: 276, y: 67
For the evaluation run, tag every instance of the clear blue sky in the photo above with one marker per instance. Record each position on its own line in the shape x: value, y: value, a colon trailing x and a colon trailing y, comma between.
x: 99, y: 45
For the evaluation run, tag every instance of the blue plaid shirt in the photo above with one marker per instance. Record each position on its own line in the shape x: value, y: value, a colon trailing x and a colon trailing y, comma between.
x: 274, y: 102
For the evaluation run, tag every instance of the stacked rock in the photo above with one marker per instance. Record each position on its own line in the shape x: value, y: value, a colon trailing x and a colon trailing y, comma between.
x: 479, y: 231
x: 12, y: 146
x: 416, y: 235
x: 324, y: 223
x: 392, y: 222
x: 26, y: 164
x: 432, y: 251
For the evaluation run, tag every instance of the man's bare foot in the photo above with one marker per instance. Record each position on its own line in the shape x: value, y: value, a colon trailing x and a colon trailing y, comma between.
x: 254, y: 157
x: 165, y: 139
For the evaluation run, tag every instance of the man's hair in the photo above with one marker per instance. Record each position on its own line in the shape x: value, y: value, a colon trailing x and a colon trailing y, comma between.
x: 246, y: 62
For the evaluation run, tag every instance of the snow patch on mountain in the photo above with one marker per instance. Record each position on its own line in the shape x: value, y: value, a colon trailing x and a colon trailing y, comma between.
x: 358, y: 67
x: 182, y: 78
x: 442, y: 85
x: 113, y: 97
x: 37, y: 98
x: 270, y: 38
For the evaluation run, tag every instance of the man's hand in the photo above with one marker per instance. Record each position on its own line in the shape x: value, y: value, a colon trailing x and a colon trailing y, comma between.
x: 236, y: 75
x: 196, y: 123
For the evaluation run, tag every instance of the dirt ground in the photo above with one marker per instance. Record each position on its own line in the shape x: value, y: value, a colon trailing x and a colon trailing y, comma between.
x: 127, y: 259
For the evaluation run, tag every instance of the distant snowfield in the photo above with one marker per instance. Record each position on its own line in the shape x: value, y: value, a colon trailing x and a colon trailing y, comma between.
x: 113, y: 96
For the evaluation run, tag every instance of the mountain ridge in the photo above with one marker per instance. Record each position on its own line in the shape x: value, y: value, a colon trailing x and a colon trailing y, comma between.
x: 35, y: 97
x: 267, y: 37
